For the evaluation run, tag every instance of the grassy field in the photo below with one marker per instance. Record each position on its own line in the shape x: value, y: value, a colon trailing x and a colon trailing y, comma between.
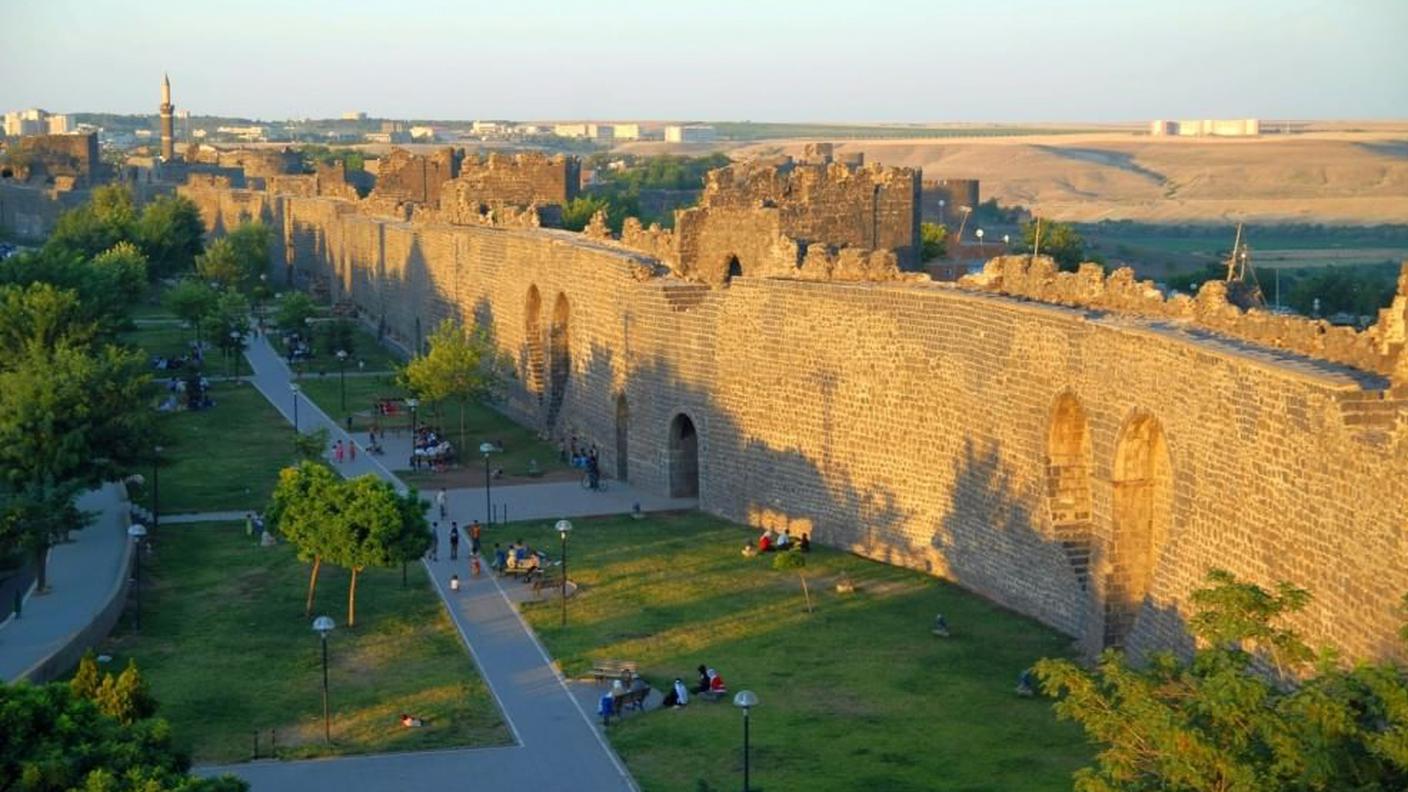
x: 373, y: 356
x: 169, y: 340
x: 227, y: 650
x: 481, y: 422
x: 857, y: 695
x: 224, y: 458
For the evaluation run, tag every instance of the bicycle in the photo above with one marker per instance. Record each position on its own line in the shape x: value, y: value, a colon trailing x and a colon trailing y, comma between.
x: 587, y: 482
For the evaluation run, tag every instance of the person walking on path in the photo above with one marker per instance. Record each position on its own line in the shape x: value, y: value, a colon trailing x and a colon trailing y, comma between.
x: 351, y: 451
x: 337, y: 452
x: 435, y: 541
x: 454, y: 541
x: 440, y: 502
x: 474, y: 532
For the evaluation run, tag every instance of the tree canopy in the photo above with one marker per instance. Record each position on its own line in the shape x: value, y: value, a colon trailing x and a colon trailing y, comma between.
x: 192, y: 300
x: 1060, y: 241
x: 462, y: 365
x: 293, y: 311
x: 1254, y: 710
x: 171, y: 233
x: 933, y: 240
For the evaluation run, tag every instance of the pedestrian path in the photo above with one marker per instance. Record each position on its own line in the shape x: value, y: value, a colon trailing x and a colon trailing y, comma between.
x: 559, y: 745
x: 83, y: 575
x: 203, y: 517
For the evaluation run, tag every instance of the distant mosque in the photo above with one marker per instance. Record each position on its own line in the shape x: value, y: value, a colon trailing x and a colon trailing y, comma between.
x: 168, y: 121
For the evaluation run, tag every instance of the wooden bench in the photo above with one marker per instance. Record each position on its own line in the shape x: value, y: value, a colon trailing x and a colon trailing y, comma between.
x: 627, y: 700
x: 624, y: 670
x: 549, y: 578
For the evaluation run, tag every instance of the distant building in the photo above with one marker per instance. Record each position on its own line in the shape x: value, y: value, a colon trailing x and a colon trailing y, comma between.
x: 571, y: 130
x: 489, y: 127
x: 168, y: 121
x: 626, y: 131
x: 356, y: 115
x: 423, y: 134
x: 692, y: 133
x: 602, y: 133
x: 58, y: 125
x: 34, y: 121
x: 252, y: 134
x: 1207, y: 127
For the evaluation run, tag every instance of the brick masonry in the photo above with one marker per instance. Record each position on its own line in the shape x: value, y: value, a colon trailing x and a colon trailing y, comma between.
x: 1085, y: 467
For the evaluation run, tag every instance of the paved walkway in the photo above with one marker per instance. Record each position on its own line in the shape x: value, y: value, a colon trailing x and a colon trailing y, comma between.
x: 203, y: 517
x: 82, y: 574
x: 559, y: 743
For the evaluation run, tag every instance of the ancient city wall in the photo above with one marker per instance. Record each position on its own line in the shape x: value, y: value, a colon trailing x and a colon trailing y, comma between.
x: 1084, y: 467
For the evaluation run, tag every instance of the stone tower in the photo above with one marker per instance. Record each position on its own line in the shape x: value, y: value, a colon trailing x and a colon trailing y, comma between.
x: 168, y: 110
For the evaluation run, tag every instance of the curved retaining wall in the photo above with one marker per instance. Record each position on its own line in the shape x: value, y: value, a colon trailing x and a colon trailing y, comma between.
x: 919, y: 424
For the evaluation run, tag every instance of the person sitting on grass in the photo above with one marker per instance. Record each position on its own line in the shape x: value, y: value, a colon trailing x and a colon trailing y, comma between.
x: 748, y: 551
x: 784, y: 540
x: 716, y: 684
x: 520, y: 552
x: 678, y: 695
x: 765, y: 543
x: 704, y: 681
x: 411, y: 722
x: 805, y: 545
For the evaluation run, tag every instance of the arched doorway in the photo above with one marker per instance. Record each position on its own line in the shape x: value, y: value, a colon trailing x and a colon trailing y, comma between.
x: 623, y: 418
x: 735, y: 268
x: 533, y: 343
x: 559, y: 357
x: 684, y: 458
x: 1142, y: 514
x: 1068, y: 483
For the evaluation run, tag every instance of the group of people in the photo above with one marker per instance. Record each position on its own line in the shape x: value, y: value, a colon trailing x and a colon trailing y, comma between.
x: 195, y: 391
x: 429, y: 447
x: 710, y: 684
x: 518, y: 556
x: 583, y: 458
x: 344, y: 452
x: 772, y: 541
x: 195, y: 357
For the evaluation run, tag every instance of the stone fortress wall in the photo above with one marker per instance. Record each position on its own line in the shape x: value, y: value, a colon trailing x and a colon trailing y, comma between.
x: 1084, y: 463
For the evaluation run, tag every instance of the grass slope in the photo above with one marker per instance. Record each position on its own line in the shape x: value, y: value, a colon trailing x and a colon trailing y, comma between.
x: 227, y: 650
x: 857, y: 695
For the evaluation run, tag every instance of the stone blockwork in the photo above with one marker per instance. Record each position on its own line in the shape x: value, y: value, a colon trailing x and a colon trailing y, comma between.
x: 1378, y: 349
x: 1084, y: 466
x: 64, y: 161
x: 405, y: 177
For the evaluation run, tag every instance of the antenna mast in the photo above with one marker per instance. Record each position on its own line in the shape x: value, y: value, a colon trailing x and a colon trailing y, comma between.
x: 1243, y: 289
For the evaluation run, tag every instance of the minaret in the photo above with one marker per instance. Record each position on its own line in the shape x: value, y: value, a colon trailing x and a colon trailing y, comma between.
x: 168, y: 128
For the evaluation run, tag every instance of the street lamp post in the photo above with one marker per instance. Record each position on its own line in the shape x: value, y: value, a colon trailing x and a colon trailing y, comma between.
x: 1007, y: 241
x: 156, y: 489
x: 487, y: 448
x: 746, y: 700
x: 980, y: 242
x: 413, y: 404
x: 236, y: 346
x: 563, y: 528
x: 941, y: 211
x: 342, y: 374
x: 137, y: 531
x: 294, y: 387
x: 322, y: 626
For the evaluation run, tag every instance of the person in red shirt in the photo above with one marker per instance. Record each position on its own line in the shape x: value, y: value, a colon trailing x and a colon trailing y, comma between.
x: 765, y: 544
x: 716, y: 683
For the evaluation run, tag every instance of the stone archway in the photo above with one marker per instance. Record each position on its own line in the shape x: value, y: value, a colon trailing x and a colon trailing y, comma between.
x: 533, y: 344
x: 1141, y: 518
x: 559, y: 357
x: 623, y: 421
x: 733, y: 268
x: 684, y: 458
x: 1068, y: 465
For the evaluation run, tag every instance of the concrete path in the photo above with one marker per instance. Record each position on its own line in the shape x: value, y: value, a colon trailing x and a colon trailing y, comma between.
x: 559, y: 743
x: 82, y: 574
x: 203, y: 517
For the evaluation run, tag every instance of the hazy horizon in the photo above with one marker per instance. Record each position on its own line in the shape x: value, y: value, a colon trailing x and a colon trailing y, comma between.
x: 898, y: 62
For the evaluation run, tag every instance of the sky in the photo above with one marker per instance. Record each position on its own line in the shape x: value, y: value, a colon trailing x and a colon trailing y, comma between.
x: 720, y: 60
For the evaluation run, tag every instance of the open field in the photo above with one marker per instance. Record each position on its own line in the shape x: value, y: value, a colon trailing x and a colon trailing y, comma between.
x: 228, y: 651
x: 858, y: 695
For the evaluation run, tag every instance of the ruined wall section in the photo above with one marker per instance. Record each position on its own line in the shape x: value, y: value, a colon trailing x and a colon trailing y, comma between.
x: 1378, y: 349
x: 402, y: 176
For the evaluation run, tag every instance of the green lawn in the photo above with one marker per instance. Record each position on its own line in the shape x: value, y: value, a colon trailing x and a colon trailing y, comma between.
x: 373, y: 356
x: 227, y: 650
x: 224, y: 458
x: 169, y: 340
x: 856, y: 696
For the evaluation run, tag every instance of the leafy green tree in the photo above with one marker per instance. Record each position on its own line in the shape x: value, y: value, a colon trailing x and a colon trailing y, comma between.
x: 1255, y: 710
x: 104, y: 285
x: 377, y: 527
x: 122, y: 269
x: 933, y: 240
x: 460, y: 365
x: 311, y: 445
x: 340, y: 334
x: 1342, y: 290
x: 59, y: 741
x: 1060, y: 241
x: 219, y: 264
x: 171, y: 233
x: 306, y: 507
x: 293, y: 312
x: 192, y: 301
x: 230, y: 315
x: 39, y: 317
x: 107, y: 219
x: 252, y: 243
x: 86, y: 679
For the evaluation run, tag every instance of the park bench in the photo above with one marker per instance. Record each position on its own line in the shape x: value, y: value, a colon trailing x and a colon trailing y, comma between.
x: 626, y: 700
x: 549, y: 578
x: 624, y: 670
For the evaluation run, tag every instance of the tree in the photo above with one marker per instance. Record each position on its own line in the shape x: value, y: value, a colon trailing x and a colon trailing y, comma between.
x: 1060, y: 241
x: 191, y: 300
x: 57, y: 739
x: 122, y: 270
x: 251, y: 243
x: 219, y: 264
x: 311, y: 445
x: 107, y: 219
x: 104, y: 285
x: 294, y: 311
x: 794, y: 560
x: 933, y: 240
x: 1255, y: 710
x: 171, y: 233
x: 460, y: 365
x: 376, y: 527
x: 340, y: 334
x: 40, y: 317
x: 306, y: 506
x: 230, y: 315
